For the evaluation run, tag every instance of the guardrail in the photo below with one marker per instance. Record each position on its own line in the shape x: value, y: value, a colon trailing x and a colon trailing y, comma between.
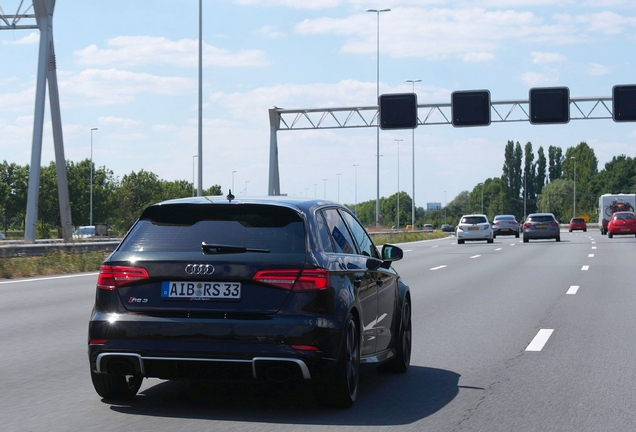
x: 31, y: 250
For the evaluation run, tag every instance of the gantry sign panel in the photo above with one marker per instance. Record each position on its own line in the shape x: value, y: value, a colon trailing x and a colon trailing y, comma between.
x: 398, y: 111
x: 544, y: 106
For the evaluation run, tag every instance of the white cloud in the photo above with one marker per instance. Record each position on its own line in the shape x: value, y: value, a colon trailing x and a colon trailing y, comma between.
x: 532, y: 79
x: 112, y: 86
x: 597, y: 69
x: 31, y: 38
x: 478, y: 57
x: 544, y: 57
x: 118, y: 121
x: 149, y: 50
x: 270, y: 32
x: 295, y: 4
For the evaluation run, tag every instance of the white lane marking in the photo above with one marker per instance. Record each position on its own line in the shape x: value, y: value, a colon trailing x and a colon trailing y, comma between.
x: 585, y: 268
x: 590, y: 255
x: 475, y: 256
x: 593, y: 242
x: 573, y: 289
x: 438, y: 267
x: 593, y: 247
x: 49, y: 278
x: 540, y: 340
x: 433, y: 247
x: 512, y: 244
x: 498, y: 249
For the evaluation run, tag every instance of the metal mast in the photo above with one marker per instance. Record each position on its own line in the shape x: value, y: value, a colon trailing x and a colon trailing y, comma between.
x: 46, y: 72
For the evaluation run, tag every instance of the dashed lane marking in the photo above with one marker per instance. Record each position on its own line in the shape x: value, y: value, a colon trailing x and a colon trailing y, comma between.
x: 540, y: 340
x: 573, y: 289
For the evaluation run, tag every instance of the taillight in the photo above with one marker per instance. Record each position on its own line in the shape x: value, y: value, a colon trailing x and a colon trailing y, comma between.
x: 554, y: 224
x: 513, y: 223
x: 98, y: 342
x: 496, y: 223
x: 307, y: 280
x: 527, y: 224
x: 304, y: 347
x: 112, y: 277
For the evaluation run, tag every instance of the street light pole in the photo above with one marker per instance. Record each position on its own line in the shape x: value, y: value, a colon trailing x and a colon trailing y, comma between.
x: 398, y: 181
x: 413, y: 157
x: 444, y: 207
x: 339, y: 174
x: 324, y: 188
x: 377, y: 199
x: 233, y: 179
x: 574, y: 215
x: 355, y: 168
x: 193, y: 184
x: 91, y: 185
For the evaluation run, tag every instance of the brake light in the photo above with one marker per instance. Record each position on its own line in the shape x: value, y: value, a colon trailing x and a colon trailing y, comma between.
x: 496, y: 223
x: 304, y: 347
x: 527, y: 224
x: 554, y: 224
x: 295, y: 280
x: 98, y: 342
x: 112, y: 277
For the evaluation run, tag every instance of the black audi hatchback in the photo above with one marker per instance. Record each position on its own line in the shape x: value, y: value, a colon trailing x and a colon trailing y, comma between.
x: 272, y: 289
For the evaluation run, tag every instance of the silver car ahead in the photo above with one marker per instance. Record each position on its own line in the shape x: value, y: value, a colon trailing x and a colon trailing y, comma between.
x: 505, y: 225
x: 541, y: 226
x: 474, y: 227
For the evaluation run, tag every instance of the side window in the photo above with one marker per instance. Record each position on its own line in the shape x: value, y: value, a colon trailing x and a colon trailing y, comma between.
x: 342, y: 241
x: 324, y: 238
x: 362, y: 238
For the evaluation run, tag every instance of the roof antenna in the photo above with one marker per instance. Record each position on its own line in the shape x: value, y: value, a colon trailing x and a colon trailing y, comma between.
x: 229, y: 196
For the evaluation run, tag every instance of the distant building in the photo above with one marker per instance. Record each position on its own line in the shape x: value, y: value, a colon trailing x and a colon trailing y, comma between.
x: 433, y: 206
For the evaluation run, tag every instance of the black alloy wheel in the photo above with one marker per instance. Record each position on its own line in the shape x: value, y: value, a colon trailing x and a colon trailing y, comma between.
x: 116, y: 386
x: 340, y: 389
x: 402, y: 360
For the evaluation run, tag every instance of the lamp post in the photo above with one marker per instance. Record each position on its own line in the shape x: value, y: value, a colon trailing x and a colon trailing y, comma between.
x: 315, y: 185
x: 233, y: 172
x: 377, y: 199
x: 413, y: 156
x: 338, y: 174
x: 482, y: 198
x: 574, y: 215
x: 193, y: 184
x: 398, y: 181
x: 444, y: 207
x: 324, y: 182
x: 355, y: 185
x: 246, y: 182
x: 91, y: 183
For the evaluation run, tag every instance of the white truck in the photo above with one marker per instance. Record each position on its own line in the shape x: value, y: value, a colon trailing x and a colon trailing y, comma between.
x: 610, y: 203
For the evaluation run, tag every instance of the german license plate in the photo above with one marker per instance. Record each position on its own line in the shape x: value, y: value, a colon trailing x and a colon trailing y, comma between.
x: 505, y: 229
x: 473, y: 228
x: 542, y: 226
x: 201, y: 290
x: 625, y: 230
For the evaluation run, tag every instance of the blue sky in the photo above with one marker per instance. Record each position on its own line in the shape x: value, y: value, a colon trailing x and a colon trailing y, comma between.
x: 129, y: 68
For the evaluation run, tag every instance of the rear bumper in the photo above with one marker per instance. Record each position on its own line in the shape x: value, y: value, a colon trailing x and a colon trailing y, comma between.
x: 273, y: 349
x: 541, y: 234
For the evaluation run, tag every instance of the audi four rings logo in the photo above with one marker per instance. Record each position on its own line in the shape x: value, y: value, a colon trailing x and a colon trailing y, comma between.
x: 199, y: 269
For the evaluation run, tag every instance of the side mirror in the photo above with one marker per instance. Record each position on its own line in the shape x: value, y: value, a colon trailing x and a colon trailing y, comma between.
x: 391, y: 253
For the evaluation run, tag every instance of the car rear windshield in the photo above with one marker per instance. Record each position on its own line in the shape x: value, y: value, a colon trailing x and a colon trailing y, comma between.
x: 473, y: 219
x: 505, y: 218
x: 185, y: 227
x: 541, y: 218
x: 578, y: 220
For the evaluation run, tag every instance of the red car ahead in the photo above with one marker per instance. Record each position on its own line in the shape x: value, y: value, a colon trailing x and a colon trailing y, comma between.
x: 621, y: 223
x: 578, y: 223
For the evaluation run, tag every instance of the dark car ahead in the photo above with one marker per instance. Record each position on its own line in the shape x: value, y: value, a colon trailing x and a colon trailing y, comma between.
x: 505, y: 225
x: 541, y: 226
x: 260, y: 290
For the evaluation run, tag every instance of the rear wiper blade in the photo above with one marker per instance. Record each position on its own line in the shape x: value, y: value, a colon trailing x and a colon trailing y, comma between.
x: 227, y: 249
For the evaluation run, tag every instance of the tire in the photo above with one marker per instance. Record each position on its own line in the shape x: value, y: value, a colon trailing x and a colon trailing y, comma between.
x: 610, y: 235
x: 489, y: 240
x: 116, y: 387
x: 460, y: 241
x: 402, y: 360
x: 570, y: 230
x: 340, y: 387
x: 525, y: 240
x: 558, y: 238
x: 584, y: 230
x: 517, y: 235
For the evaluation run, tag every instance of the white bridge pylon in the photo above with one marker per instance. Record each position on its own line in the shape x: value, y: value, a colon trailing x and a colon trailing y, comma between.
x: 47, y: 72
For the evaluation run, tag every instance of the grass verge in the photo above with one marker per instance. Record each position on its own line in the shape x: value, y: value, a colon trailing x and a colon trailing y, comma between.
x: 57, y: 263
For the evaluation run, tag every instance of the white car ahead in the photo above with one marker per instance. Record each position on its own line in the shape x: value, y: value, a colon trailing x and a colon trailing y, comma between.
x: 474, y: 227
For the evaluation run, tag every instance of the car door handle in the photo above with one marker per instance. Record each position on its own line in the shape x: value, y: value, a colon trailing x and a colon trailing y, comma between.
x: 379, y: 282
x: 357, y: 282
